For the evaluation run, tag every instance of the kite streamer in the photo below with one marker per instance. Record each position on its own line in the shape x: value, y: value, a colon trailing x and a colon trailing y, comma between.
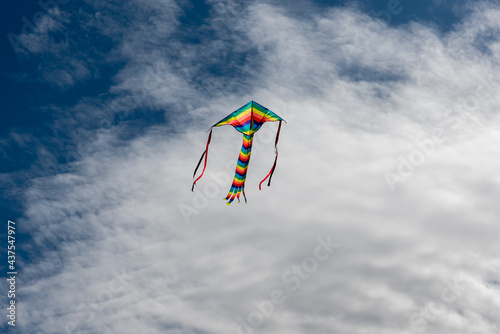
x: 247, y: 120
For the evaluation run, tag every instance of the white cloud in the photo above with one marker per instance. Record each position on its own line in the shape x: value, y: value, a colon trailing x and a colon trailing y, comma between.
x: 357, y: 94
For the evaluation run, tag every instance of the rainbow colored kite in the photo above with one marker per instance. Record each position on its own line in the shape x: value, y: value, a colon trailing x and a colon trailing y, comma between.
x: 247, y: 120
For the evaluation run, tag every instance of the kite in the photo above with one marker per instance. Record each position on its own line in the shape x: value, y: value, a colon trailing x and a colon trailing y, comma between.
x: 247, y: 120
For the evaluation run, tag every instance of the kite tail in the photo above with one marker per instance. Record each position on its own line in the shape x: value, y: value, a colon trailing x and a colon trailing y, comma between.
x: 270, y: 175
x: 205, y: 154
x: 240, y: 176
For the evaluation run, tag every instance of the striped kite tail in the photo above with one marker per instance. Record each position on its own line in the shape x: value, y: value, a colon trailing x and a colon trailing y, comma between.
x: 240, y: 176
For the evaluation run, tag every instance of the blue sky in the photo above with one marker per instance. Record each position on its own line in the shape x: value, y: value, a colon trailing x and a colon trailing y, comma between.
x: 26, y: 98
x: 390, y: 149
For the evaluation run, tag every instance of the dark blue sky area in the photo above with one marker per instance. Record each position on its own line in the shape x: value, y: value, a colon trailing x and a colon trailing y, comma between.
x: 21, y: 98
x: 438, y: 13
x: 18, y: 97
x: 27, y: 102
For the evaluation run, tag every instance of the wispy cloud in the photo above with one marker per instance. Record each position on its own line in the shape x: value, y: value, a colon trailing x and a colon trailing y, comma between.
x: 357, y: 94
